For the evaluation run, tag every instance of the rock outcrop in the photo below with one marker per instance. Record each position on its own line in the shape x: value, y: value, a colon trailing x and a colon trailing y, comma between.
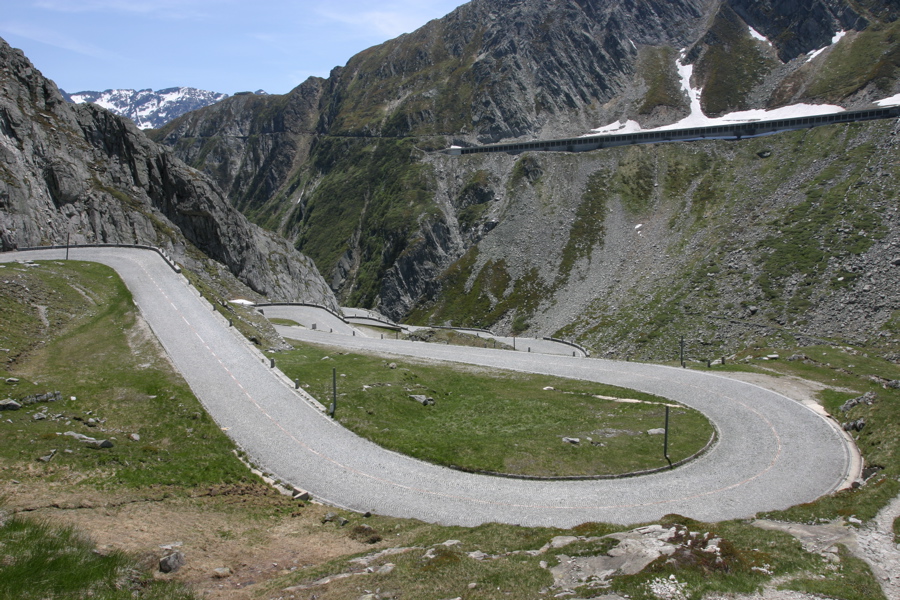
x: 78, y: 172
x: 345, y: 169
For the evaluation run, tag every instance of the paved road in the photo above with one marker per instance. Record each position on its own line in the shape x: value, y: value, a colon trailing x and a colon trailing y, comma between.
x: 773, y: 452
x: 310, y: 317
x: 325, y: 321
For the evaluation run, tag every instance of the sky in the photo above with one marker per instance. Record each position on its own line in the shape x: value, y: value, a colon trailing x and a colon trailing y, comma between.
x: 224, y: 46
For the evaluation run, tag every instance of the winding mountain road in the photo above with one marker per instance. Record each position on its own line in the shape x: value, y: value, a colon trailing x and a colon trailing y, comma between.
x: 772, y: 452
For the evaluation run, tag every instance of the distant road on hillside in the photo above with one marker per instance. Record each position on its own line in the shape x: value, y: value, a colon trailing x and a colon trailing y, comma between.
x: 730, y: 131
x: 772, y: 452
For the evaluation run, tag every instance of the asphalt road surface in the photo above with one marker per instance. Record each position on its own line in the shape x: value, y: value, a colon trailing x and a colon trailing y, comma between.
x: 772, y: 452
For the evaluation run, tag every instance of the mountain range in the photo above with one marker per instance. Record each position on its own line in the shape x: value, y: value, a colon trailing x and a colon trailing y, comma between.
x: 790, y: 237
x: 147, y: 108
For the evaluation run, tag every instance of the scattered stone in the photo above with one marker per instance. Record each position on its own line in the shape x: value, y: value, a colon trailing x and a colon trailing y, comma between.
x: 659, y: 431
x: 134, y: 437
x: 422, y: 399
x: 299, y: 494
x: 9, y: 404
x: 172, y: 562
x: 36, y: 398
x: 12, y: 380
x: 893, y: 384
x: 797, y: 357
x: 572, y: 440
x: 773, y: 357
x: 92, y: 442
x: 49, y: 457
x: 39, y: 416
x: 472, y: 585
x: 896, y: 261
x: 867, y: 398
x: 171, y: 545
x: 329, y: 517
x: 222, y: 573
x: 450, y: 543
x: 549, y: 388
x: 856, y: 425
x: 561, y: 541
x: 385, y: 568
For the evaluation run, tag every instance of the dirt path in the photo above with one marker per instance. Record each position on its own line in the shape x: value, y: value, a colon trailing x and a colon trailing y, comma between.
x: 215, y: 532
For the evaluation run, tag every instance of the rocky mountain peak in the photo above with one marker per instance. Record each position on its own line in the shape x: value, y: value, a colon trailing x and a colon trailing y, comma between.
x: 81, y: 172
x: 149, y: 109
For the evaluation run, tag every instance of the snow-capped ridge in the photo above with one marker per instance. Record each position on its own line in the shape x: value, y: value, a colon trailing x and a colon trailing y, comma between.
x: 150, y: 109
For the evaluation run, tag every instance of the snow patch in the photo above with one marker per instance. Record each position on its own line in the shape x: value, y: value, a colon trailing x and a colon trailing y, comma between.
x: 834, y: 40
x: 892, y: 101
x: 758, y: 36
x: 698, y: 119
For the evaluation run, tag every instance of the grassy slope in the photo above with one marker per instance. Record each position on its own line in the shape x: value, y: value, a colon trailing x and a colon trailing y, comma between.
x: 496, y: 421
x: 777, y: 222
x: 104, y: 326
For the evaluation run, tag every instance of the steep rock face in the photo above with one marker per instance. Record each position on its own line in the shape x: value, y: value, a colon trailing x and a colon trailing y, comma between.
x: 495, y: 70
x: 393, y: 226
x: 250, y: 144
x: 785, y: 239
x: 797, y: 28
x: 80, y: 171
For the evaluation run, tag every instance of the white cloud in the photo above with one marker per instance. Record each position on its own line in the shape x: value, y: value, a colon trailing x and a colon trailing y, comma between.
x: 53, y: 38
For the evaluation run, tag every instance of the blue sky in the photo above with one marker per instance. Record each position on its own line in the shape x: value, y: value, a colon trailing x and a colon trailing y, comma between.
x: 220, y: 45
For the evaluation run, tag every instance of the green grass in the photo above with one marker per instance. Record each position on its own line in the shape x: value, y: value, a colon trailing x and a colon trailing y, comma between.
x: 107, y: 368
x: 850, y: 579
x: 657, y: 67
x: 871, y: 57
x: 496, y: 421
x: 39, y: 561
x: 588, y: 230
x: 731, y: 67
x: 491, y: 295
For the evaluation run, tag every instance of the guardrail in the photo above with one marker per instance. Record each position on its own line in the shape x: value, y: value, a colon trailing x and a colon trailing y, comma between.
x: 476, y: 329
x: 169, y: 260
x: 731, y: 131
x: 568, y: 343
x: 325, y: 308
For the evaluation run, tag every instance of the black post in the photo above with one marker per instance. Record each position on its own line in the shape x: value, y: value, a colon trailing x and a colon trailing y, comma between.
x: 334, y: 392
x: 682, y: 351
x: 67, y: 245
x: 666, y: 439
